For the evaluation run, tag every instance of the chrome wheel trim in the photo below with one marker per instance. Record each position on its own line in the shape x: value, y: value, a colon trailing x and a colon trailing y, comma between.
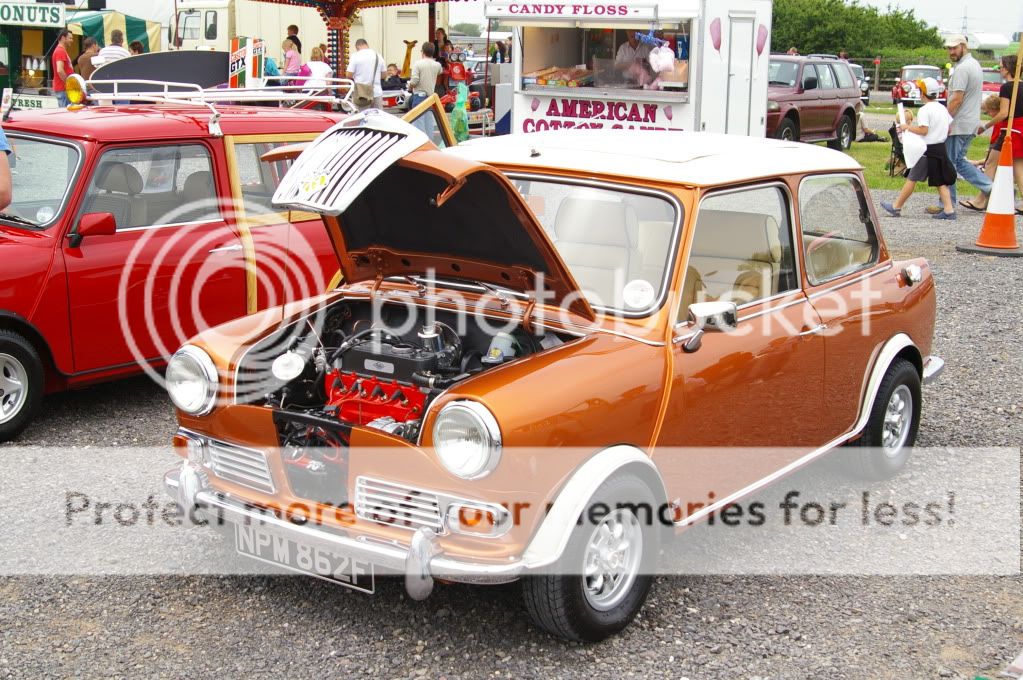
x: 898, y: 420
x: 13, y: 387
x: 844, y: 134
x: 788, y: 134
x: 612, y: 559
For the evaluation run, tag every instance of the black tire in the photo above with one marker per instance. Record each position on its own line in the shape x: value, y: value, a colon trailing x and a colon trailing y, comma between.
x: 871, y: 461
x: 18, y: 360
x: 844, y: 133
x: 787, y: 130
x: 558, y: 603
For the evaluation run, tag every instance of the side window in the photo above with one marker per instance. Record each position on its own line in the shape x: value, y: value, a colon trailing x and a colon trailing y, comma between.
x: 211, y: 24
x: 809, y: 77
x: 844, y: 76
x: 741, y: 250
x: 154, y: 186
x: 257, y: 178
x: 827, y: 79
x: 839, y: 236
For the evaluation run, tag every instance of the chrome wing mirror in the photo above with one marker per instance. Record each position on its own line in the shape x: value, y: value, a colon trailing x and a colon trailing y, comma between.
x: 719, y: 316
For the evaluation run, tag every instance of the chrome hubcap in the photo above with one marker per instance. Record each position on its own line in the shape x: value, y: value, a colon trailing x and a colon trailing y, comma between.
x: 898, y: 417
x: 612, y: 559
x: 13, y: 387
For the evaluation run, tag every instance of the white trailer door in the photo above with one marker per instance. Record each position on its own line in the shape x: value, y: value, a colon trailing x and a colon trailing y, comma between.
x: 740, y: 74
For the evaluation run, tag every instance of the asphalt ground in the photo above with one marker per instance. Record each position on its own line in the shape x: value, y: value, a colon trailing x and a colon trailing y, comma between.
x: 868, y: 627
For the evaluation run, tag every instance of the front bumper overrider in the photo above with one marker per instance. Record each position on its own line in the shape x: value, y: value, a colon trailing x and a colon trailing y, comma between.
x: 420, y: 561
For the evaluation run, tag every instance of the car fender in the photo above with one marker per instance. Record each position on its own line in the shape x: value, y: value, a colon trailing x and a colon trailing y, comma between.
x: 889, y: 351
x: 549, y: 541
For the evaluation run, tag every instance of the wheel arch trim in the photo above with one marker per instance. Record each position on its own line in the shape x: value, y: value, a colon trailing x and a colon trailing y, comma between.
x: 899, y: 345
x: 549, y: 541
x: 18, y: 324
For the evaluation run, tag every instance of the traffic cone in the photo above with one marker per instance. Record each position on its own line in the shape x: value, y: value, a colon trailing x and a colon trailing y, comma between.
x: 998, y: 233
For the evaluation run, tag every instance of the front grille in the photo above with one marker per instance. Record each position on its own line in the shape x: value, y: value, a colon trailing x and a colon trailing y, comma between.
x: 397, y: 505
x: 239, y: 465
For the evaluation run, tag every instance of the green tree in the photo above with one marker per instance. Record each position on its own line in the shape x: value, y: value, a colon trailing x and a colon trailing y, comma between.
x: 833, y: 25
x: 467, y: 28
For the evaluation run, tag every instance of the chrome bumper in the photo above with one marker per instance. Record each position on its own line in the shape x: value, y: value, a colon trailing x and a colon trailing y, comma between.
x: 933, y: 366
x: 420, y: 561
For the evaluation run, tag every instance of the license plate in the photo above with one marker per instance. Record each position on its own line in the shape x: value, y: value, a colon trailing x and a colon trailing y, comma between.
x: 257, y: 542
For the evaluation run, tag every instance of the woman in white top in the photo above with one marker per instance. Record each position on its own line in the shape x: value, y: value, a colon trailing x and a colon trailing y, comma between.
x: 319, y: 70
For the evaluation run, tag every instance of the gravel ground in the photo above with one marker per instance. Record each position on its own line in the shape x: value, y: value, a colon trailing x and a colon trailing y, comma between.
x: 693, y: 627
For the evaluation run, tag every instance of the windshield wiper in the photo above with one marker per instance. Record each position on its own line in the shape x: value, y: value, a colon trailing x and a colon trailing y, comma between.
x: 18, y: 220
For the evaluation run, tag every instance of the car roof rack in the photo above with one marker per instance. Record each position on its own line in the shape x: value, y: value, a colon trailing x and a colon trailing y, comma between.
x: 288, y: 94
x: 822, y: 56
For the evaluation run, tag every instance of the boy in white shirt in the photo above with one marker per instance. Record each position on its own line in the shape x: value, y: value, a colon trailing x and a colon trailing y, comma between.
x: 932, y: 123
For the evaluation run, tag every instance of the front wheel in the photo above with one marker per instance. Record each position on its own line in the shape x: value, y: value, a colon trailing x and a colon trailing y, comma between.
x: 888, y: 438
x: 787, y: 131
x: 602, y: 580
x: 844, y: 134
x: 21, y: 383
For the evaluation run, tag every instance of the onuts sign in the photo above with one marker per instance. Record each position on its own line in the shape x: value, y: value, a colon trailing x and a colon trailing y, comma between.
x: 31, y: 14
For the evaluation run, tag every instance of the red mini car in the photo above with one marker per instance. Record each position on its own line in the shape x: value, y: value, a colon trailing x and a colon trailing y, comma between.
x: 133, y: 228
x: 906, y: 90
x: 992, y: 80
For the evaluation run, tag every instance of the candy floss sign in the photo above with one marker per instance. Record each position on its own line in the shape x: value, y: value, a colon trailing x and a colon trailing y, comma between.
x: 561, y: 113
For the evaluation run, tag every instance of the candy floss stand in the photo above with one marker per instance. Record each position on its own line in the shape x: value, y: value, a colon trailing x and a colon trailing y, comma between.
x: 571, y: 71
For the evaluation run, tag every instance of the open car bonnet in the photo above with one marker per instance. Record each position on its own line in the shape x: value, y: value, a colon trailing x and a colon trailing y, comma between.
x: 396, y: 205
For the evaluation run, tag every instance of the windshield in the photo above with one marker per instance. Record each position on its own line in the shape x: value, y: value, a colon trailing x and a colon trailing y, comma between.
x: 782, y: 73
x: 617, y: 244
x: 920, y: 73
x: 41, y: 175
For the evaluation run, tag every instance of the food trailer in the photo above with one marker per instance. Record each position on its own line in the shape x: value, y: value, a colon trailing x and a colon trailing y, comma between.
x: 671, y: 65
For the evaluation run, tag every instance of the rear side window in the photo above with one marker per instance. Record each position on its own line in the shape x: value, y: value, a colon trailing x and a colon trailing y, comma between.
x: 839, y: 236
x: 257, y: 179
x: 826, y: 79
x: 845, y: 77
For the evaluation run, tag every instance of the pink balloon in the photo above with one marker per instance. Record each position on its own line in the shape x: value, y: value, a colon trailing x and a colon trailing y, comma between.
x: 535, y: 104
x: 715, y: 34
x: 761, y: 39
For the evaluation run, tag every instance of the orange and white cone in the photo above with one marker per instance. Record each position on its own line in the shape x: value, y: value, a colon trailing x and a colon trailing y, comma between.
x: 998, y: 233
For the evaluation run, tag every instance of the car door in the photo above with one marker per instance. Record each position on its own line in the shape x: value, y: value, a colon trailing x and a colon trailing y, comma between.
x: 744, y: 404
x: 172, y: 268
x: 845, y: 266
x: 811, y: 114
x: 831, y: 100
x: 291, y: 253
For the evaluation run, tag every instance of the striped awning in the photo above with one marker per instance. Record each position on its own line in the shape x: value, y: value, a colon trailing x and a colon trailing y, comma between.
x: 99, y: 24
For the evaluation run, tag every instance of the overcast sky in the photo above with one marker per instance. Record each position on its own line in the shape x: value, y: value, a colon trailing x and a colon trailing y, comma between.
x: 999, y: 16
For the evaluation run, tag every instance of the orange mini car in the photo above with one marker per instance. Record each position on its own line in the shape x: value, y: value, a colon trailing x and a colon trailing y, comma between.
x: 543, y: 351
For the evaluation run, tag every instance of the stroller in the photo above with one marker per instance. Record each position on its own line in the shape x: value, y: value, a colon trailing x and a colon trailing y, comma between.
x: 896, y: 165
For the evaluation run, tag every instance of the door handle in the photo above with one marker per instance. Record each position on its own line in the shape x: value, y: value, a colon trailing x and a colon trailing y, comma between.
x: 227, y: 249
x: 820, y: 328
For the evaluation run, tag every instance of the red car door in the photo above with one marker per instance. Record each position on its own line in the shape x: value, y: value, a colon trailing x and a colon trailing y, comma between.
x: 172, y: 268
x: 831, y: 101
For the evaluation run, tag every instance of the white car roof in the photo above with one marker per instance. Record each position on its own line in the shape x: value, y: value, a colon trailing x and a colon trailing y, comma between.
x: 691, y: 158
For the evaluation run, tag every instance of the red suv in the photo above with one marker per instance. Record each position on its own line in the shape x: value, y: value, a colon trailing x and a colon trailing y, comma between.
x: 132, y: 228
x: 812, y: 99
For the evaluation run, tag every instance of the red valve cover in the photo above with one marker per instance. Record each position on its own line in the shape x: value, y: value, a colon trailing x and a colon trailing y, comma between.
x: 359, y: 400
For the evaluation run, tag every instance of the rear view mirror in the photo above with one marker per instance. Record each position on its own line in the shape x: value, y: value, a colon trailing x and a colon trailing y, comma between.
x: 810, y: 83
x: 93, y: 224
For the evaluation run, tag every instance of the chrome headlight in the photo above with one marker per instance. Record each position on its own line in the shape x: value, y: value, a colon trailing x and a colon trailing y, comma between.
x: 467, y: 439
x: 773, y: 105
x: 192, y: 381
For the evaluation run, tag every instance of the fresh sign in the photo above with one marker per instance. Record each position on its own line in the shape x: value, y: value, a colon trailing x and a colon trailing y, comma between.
x: 31, y: 14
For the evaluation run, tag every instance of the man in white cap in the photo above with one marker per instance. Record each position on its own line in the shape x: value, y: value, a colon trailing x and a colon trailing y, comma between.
x: 964, y: 99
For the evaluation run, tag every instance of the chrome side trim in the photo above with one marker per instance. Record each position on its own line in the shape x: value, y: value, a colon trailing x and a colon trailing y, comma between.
x: 933, y: 368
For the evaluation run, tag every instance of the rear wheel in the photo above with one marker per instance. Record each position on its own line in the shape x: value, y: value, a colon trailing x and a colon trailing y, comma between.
x: 787, y: 130
x: 887, y: 440
x: 603, y: 578
x: 843, y: 134
x: 21, y: 383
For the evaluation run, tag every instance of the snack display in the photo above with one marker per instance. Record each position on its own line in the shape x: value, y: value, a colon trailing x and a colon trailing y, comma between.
x: 566, y: 77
